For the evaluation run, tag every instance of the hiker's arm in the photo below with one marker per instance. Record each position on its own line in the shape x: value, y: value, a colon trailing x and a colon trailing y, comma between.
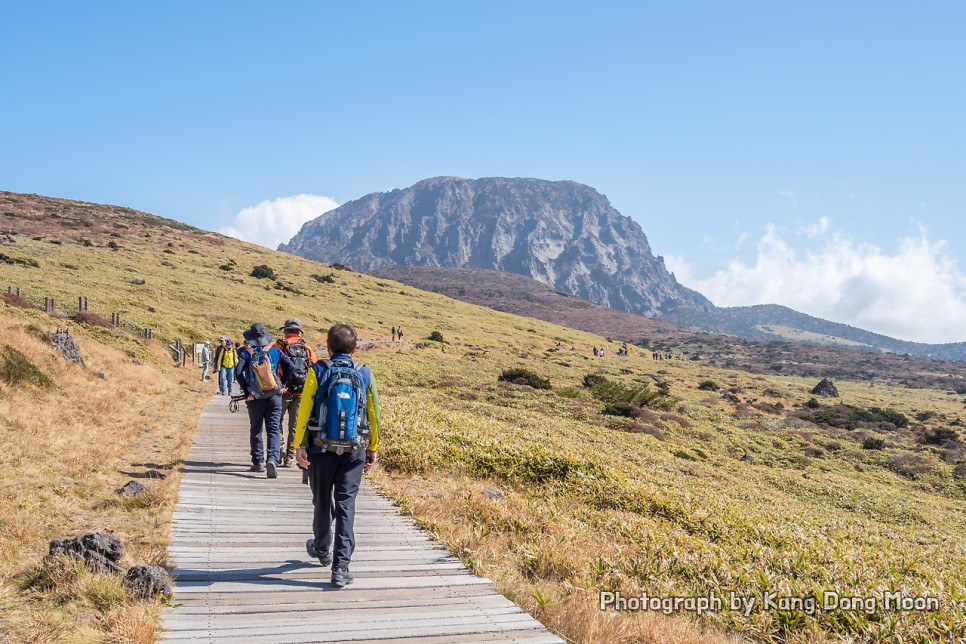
x: 372, y: 413
x: 305, y: 412
x: 240, y: 373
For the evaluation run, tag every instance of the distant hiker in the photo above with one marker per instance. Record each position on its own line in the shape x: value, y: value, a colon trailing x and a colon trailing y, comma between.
x: 205, y: 359
x: 302, y: 357
x: 399, y: 334
x: 595, y: 351
x: 337, y: 439
x: 602, y: 352
x: 225, y: 360
x: 394, y: 334
x: 258, y: 375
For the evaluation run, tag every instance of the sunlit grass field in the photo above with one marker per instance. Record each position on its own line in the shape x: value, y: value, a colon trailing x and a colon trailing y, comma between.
x: 694, y: 495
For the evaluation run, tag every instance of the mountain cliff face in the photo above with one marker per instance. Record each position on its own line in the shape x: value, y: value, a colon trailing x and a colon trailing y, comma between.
x: 561, y: 233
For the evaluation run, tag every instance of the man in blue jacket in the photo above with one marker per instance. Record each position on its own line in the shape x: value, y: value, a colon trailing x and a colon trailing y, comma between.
x: 263, y: 395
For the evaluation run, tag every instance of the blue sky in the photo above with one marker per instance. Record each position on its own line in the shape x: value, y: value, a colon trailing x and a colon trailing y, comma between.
x: 809, y: 154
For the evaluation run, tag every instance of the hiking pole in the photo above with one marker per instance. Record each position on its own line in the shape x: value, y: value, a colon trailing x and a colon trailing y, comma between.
x: 233, y: 403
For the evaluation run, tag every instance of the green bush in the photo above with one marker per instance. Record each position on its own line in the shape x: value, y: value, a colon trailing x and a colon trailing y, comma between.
x: 436, y: 336
x: 324, y: 279
x: 263, y: 271
x: 940, y: 435
x: 524, y: 377
x: 708, y: 385
x: 873, y: 442
x: 16, y: 369
x: 613, y: 393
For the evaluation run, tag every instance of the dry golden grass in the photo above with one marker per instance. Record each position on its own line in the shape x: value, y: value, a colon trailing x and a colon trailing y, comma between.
x: 661, y: 503
x: 67, y: 448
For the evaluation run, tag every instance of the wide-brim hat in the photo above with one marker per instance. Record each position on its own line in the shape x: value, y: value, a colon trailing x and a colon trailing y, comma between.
x: 291, y: 323
x: 258, y: 335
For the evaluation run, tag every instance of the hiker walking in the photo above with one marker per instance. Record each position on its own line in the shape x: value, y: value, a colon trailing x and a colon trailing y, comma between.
x: 394, y: 334
x: 294, y: 347
x: 258, y: 375
x: 337, y: 439
x: 225, y: 360
x: 399, y: 334
x: 205, y: 359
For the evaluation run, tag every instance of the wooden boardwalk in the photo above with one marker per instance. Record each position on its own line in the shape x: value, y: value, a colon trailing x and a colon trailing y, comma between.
x: 242, y: 574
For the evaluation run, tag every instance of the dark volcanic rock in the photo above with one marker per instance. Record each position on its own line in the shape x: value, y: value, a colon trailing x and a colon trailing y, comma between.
x: 825, y: 388
x: 100, y: 551
x: 132, y: 488
x: 67, y: 346
x: 564, y: 234
x: 147, y: 582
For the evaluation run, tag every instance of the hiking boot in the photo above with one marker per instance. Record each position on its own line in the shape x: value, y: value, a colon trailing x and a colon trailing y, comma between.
x: 341, y: 577
x: 287, y: 461
x: 325, y: 558
x: 256, y: 467
x: 270, y: 470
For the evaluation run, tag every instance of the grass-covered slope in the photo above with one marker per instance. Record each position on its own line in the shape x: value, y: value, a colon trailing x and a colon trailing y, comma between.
x: 759, y: 493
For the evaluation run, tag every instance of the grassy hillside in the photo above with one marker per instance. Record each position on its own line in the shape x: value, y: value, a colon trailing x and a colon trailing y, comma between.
x: 776, y: 351
x: 678, y: 492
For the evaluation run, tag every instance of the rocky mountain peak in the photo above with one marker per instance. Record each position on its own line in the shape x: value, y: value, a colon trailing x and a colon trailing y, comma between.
x: 562, y: 233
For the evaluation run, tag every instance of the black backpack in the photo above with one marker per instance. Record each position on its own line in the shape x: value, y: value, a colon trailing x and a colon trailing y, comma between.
x: 298, y: 353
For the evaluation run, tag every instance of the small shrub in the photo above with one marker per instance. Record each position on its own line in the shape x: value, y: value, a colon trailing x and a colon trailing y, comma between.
x: 137, y: 281
x: 16, y: 369
x: 113, y: 245
x: 436, y: 336
x: 708, y: 385
x: 15, y: 300
x: 618, y: 409
x: 324, y: 279
x: 263, y: 271
x: 524, y: 376
x: 341, y: 267
x: 873, y: 442
x: 680, y: 420
x: 227, y: 267
x: 812, y: 403
x: 908, y: 465
x: 923, y: 416
x: 93, y: 319
x: 682, y: 454
x: 940, y: 435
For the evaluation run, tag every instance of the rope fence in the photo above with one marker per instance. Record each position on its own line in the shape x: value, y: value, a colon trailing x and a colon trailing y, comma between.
x: 55, y: 307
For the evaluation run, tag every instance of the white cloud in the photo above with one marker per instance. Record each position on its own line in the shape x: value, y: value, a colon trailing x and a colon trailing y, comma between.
x: 916, y: 293
x: 272, y: 222
x: 817, y: 229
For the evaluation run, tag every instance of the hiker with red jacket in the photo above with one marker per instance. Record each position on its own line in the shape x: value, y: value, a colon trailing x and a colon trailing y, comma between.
x: 300, y: 353
x: 258, y: 374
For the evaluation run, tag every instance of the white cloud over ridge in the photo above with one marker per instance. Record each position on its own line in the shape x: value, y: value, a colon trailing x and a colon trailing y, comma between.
x: 272, y: 222
x: 916, y: 293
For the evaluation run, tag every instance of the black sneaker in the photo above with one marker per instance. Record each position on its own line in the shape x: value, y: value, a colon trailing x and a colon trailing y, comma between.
x: 271, y: 472
x: 325, y: 558
x: 287, y: 461
x: 256, y: 467
x: 341, y: 577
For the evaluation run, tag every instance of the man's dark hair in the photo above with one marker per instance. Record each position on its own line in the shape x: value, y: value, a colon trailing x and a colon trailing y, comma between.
x: 341, y: 338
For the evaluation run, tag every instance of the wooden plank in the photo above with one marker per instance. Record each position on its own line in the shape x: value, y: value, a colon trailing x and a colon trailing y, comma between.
x: 238, y: 541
